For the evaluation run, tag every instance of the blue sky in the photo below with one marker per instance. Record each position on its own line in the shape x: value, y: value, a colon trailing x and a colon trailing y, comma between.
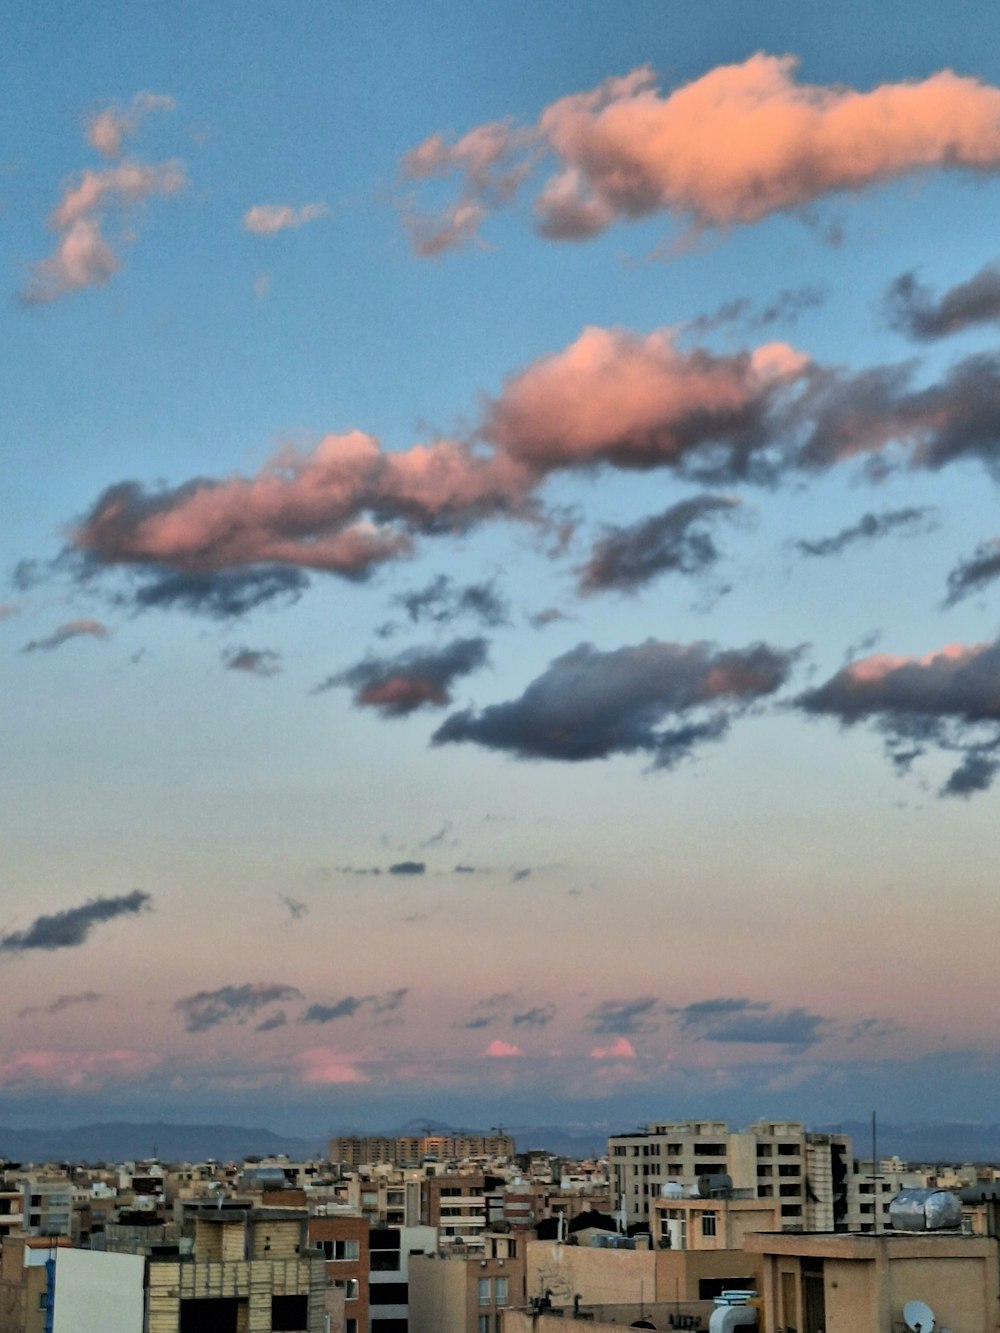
x: 738, y: 791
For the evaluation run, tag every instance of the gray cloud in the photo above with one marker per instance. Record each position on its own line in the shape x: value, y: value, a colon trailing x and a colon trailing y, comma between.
x: 913, y: 309
x: 222, y: 594
x: 231, y: 1004
x: 627, y: 558
x: 61, y: 1002
x: 846, y: 415
x: 408, y: 868
x: 756, y: 1022
x: 70, y: 928
x: 377, y: 1005
x: 590, y: 704
x: 946, y: 700
x: 868, y: 528
x: 442, y: 602
x: 974, y: 573
x: 418, y: 677
x: 539, y: 1017
x: 624, y: 1017
x: 278, y: 1020
x: 547, y: 616
x: 72, y: 629
x: 253, y: 661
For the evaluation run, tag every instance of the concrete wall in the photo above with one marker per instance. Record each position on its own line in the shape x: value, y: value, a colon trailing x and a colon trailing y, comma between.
x: 98, y: 1293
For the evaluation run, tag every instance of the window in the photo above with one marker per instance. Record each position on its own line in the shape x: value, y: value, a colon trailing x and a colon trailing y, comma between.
x: 350, y: 1326
x: 485, y: 1290
x: 501, y: 1290
x: 708, y: 1224
x: 289, y: 1314
x: 388, y: 1293
x: 339, y: 1249
x: 349, y: 1286
x: 483, y: 1324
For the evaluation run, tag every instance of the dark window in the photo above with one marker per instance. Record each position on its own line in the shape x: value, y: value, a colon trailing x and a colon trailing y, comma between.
x: 710, y: 1287
x: 289, y: 1314
x: 390, y: 1326
x: 388, y: 1293
x: 383, y: 1261
x: 384, y: 1240
x: 215, y: 1314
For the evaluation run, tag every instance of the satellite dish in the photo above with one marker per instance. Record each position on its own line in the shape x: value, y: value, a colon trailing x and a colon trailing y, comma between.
x: 918, y: 1317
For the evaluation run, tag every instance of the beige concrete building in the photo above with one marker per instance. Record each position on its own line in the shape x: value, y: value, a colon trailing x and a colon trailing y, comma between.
x: 597, y: 1277
x: 455, y: 1293
x: 861, y: 1283
x: 808, y: 1175
x: 247, y: 1272
x: 710, y: 1224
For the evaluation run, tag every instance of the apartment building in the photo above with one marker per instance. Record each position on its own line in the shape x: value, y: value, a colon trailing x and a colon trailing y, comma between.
x: 456, y: 1205
x: 808, y: 1175
x: 458, y: 1292
x: 343, y: 1241
x: 411, y: 1150
x: 245, y: 1271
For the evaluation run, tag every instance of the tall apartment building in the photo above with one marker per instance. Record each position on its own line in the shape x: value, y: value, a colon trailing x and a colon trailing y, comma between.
x: 411, y: 1150
x: 808, y: 1175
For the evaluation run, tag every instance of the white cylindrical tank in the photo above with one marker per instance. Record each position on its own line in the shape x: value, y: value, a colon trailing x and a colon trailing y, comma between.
x: 725, y: 1317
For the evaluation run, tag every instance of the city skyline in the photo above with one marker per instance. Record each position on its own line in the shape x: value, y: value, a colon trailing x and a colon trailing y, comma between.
x: 500, y: 564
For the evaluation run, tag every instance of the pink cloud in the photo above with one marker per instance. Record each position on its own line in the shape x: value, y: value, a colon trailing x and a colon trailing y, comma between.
x: 739, y: 143
x: 502, y: 1050
x: 322, y: 1065
x: 637, y: 401
x: 269, y: 219
x: 620, y: 1049
x: 82, y: 259
x: 127, y: 183
x: 306, y: 509
x: 72, y: 629
x: 107, y: 129
x: 73, y: 1069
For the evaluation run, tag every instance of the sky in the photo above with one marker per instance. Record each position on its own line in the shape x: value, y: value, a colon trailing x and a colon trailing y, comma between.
x: 500, y: 562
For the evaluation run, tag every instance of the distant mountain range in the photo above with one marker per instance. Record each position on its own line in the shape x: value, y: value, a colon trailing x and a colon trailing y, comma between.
x: 947, y: 1142
x: 125, y: 1141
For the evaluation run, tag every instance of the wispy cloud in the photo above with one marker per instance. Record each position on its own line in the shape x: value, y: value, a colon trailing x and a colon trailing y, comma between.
x: 61, y: 1003
x: 231, y: 1004
x: 72, y: 629
x: 376, y: 1005
x: 269, y: 219
x: 869, y: 528
x: 252, y: 661
x: 625, y: 1017
x: 914, y: 310
x: 109, y: 128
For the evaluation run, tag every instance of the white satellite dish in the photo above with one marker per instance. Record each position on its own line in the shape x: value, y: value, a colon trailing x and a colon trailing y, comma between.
x: 918, y: 1317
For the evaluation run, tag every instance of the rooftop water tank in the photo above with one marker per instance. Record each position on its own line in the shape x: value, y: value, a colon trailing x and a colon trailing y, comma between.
x: 925, y: 1210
